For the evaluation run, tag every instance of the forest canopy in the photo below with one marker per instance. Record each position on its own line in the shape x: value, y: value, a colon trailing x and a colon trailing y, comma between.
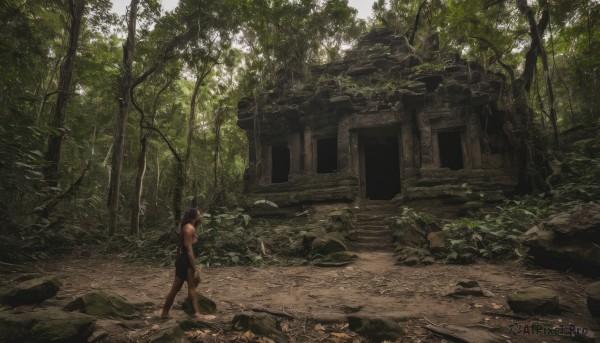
x: 111, y: 125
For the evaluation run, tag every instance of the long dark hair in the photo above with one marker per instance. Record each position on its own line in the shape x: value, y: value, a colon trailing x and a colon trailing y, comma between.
x: 188, y: 216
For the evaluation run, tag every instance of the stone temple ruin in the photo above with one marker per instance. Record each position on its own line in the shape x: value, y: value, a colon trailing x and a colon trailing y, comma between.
x: 386, y: 122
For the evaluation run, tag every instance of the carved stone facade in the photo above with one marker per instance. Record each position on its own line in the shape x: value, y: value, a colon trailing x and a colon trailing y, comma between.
x: 385, y: 122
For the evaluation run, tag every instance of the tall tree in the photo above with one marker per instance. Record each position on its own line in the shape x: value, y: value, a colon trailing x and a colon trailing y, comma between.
x: 119, y: 136
x: 76, y: 9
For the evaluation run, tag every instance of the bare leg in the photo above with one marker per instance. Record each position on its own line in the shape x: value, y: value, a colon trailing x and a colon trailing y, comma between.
x: 177, y: 283
x: 191, y: 285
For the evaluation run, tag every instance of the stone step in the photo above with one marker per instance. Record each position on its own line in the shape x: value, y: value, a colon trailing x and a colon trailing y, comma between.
x: 371, y: 233
x: 373, y: 226
x: 385, y: 241
x: 379, y: 210
x: 370, y: 246
x: 374, y: 220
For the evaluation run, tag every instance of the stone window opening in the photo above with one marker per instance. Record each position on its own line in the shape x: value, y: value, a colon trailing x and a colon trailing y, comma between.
x: 280, y: 163
x: 327, y: 155
x: 451, y: 150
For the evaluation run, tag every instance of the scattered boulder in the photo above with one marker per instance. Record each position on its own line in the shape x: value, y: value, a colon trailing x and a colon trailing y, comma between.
x: 337, y: 259
x: 568, y: 240
x: 376, y: 329
x: 97, y: 336
x: 437, y: 241
x: 409, y: 256
x: 592, y: 291
x: 340, y: 256
x: 410, y: 261
x: 168, y: 332
x: 103, y: 304
x: 45, y: 325
x: 427, y: 260
x: 262, y: 324
x: 538, y: 300
x: 32, y: 291
x: 466, y: 334
x: 327, y: 244
x: 467, y: 288
x: 206, y: 305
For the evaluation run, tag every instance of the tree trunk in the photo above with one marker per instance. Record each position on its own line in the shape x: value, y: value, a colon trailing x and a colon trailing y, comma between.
x: 192, y: 122
x: 139, y: 185
x: 536, y: 31
x: 179, y: 179
x: 178, y: 192
x: 218, y: 122
x: 119, y: 136
x: 528, y: 144
x: 413, y: 34
x: 141, y: 168
x: 76, y: 9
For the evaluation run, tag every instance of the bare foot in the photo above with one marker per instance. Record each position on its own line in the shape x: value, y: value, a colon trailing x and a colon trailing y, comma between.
x: 164, y: 316
x: 205, y: 317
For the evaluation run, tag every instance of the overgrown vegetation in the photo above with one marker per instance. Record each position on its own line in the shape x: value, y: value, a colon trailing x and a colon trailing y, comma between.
x: 182, y: 146
x: 495, y: 233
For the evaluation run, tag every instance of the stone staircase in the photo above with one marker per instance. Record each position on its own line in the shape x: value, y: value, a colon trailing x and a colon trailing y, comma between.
x: 371, y: 226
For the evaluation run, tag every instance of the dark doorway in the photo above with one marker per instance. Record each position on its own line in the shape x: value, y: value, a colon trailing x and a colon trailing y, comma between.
x: 382, y: 168
x: 327, y: 155
x: 450, y: 150
x: 280, y: 163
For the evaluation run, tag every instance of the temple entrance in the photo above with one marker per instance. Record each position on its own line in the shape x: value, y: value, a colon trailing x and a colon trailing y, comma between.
x: 381, y: 167
x: 450, y: 150
x: 280, y: 163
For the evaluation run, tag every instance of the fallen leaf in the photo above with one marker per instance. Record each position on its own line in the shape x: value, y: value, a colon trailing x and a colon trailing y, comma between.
x: 319, y: 327
x: 341, y: 335
x: 497, y: 306
x: 341, y: 326
x: 265, y: 340
x: 285, y: 327
x: 247, y: 336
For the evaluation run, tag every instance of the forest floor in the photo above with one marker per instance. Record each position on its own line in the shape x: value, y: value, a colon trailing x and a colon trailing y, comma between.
x: 372, y: 285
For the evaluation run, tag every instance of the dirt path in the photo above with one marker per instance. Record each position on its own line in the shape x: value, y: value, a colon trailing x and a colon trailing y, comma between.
x: 372, y: 285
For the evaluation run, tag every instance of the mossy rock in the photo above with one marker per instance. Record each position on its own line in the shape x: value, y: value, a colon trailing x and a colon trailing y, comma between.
x: 206, y: 305
x: 168, y: 332
x: 592, y: 292
x: 538, y: 300
x: 46, y: 325
x: 32, y: 291
x: 328, y: 244
x: 103, y: 304
x: 262, y: 324
x: 376, y: 329
x: 340, y: 256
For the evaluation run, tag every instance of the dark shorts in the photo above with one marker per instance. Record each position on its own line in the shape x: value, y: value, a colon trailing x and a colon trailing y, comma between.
x: 182, y: 264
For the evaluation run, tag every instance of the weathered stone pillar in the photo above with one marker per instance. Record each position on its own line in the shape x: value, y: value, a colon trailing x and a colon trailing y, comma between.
x: 426, y: 141
x: 308, y: 151
x: 473, y: 132
x: 343, y: 145
x: 295, y: 154
x: 407, y: 146
x: 435, y: 149
x: 265, y: 165
x: 354, y: 154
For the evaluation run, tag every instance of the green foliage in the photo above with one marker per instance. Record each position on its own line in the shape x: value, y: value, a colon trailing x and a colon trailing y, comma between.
x: 496, y: 236
x: 410, y: 217
x: 232, y: 238
x: 426, y: 68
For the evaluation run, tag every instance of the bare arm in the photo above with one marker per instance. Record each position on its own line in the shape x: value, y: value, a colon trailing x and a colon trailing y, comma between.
x: 188, y: 240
